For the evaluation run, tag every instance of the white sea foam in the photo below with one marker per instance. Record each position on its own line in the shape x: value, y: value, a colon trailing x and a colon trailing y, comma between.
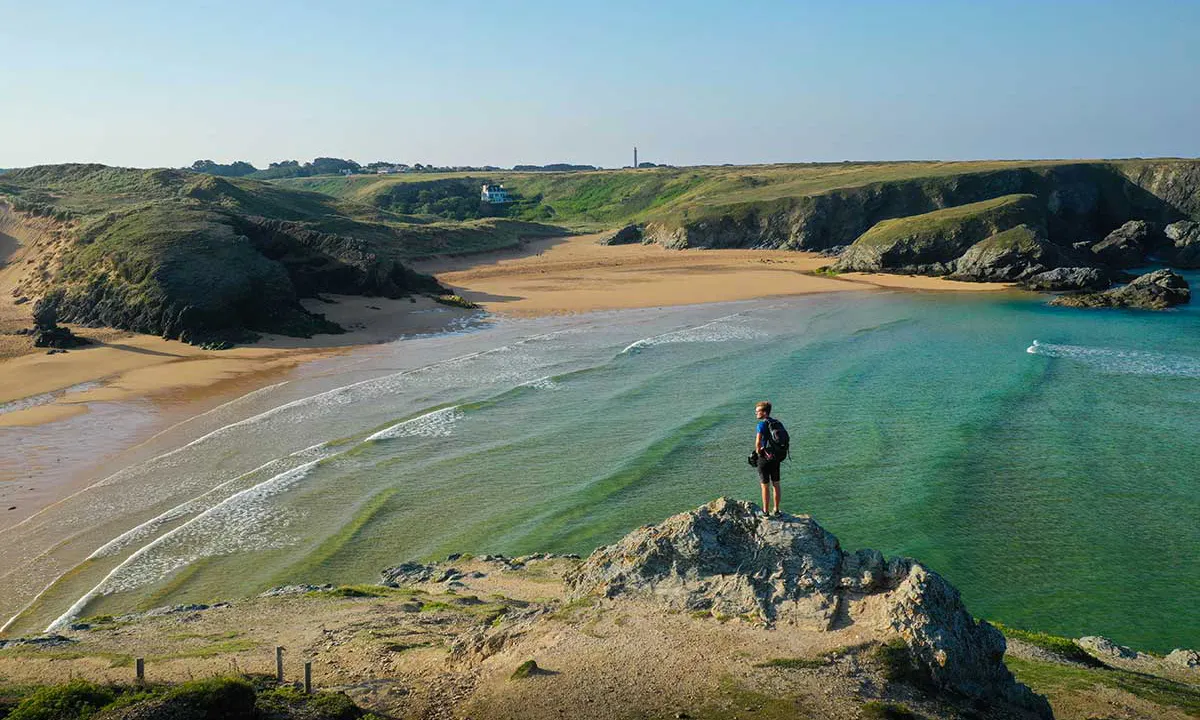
x: 439, y: 423
x: 1121, y: 362
x: 542, y: 383
x: 243, y: 521
x: 722, y: 329
x: 200, y: 503
x: 44, y: 399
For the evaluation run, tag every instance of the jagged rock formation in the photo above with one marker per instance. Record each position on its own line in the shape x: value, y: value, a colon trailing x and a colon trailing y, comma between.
x: 1182, y: 249
x: 730, y: 559
x: 1183, y: 658
x: 48, y: 333
x: 1069, y: 278
x: 1127, y: 246
x: 1014, y: 254
x: 628, y: 235
x: 1156, y: 290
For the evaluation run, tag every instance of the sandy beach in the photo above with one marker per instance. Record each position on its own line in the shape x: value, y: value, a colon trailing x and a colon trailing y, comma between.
x: 120, y: 366
x: 575, y: 274
x: 545, y: 276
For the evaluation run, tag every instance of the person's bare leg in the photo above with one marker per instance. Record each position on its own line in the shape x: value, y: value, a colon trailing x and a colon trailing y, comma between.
x: 775, y: 485
x: 766, y: 493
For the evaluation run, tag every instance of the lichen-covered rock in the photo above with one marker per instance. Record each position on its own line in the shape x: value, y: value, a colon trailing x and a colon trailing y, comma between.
x: 1102, y: 647
x: 1127, y: 246
x: 628, y: 235
x: 1184, y: 658
x: 730, y: 559
x: 1183, y: 247
x: 1069, y: 278
x: 408, y: 573
x: 1156, y: 290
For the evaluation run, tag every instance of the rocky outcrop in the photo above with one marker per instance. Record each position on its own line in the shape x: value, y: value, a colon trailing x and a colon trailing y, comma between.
x: 930, y: 243
x: 1069, y: 279
x: 628, y: 235
x: 1157, y: 290
x: 1105, y: 649
x: 1182, y: 657
x: 1182, y: 246
x: 729, y: 559
x: 47, y: 333
x: 1127, y: 246
x: 1015, y: 254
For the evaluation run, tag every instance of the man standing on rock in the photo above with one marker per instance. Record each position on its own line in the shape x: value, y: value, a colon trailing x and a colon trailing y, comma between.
x: 770, y: 447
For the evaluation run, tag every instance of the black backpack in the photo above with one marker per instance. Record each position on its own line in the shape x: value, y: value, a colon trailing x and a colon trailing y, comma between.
x: 777, y: 439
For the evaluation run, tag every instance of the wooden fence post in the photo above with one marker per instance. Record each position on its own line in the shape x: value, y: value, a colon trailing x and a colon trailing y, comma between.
x: 307, y: 677
x: 140, y: 664
x: 279, y: 664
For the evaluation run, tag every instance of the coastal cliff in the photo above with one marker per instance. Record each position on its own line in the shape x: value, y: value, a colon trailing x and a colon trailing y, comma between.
x: 719, y: 612
x: 211, y: 260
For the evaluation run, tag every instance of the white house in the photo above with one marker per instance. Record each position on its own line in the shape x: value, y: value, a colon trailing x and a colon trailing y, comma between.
x: 494, y: 194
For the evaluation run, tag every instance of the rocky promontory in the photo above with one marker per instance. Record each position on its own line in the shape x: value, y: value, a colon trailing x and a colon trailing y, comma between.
x: 730, y: 559
x: 719, y: 612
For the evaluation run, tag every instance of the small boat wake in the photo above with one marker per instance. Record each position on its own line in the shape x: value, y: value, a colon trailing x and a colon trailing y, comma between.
x: 1121, y: 362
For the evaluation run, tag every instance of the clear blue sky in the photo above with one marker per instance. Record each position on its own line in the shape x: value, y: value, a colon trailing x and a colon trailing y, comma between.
x: 447, y: 82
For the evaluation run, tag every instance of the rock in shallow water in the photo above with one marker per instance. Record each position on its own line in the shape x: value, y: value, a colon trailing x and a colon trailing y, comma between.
x: 1157, y: 290
x: 1069, y: 278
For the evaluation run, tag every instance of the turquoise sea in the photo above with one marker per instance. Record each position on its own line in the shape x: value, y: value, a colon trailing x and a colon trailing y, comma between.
x: 1044, y: 460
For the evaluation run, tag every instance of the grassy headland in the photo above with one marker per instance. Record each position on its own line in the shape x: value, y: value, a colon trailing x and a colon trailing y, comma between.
x: 209, y: 259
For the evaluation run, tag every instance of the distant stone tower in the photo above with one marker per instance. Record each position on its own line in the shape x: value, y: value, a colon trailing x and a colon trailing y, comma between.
x: 635, y: 157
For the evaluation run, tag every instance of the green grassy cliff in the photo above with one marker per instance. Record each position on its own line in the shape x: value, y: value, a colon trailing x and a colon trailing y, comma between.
x: 207, y: 259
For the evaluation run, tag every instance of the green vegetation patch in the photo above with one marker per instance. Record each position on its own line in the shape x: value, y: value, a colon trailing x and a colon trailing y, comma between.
x: 77, y: 699
x: 1051, y: 678
x: 219, y: 698
x: 934, y: 227
x: 529, y: 668
x: 1061, y: 647
x: 455, y: 301
x: 876, y: 710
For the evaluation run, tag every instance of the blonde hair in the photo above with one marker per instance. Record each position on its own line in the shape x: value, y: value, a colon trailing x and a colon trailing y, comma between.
x: 764, y: 405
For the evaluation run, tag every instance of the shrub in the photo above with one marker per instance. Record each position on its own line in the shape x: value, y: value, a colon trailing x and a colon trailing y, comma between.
x: 76, y: 699
x: 223, y: 698
x: 875, y: 710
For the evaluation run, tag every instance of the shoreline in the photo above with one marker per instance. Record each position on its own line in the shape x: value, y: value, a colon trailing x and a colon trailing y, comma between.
x: 126, y: 388
x: 561, y: 275
x: 575, y: 274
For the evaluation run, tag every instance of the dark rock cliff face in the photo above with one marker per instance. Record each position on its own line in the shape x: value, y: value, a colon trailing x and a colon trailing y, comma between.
x: 319, y: 262
x: 211, y: 278
x: 1083, y: 202
x: 728, y: 558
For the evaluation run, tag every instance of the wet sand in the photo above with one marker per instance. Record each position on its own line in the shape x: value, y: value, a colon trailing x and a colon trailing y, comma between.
x: 128, y: 365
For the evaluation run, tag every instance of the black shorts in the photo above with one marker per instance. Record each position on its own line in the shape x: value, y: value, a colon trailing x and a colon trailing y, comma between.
x: 768, y: 471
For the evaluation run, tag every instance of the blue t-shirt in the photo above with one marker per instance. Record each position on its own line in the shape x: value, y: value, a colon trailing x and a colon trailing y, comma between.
x: 764, y: 428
